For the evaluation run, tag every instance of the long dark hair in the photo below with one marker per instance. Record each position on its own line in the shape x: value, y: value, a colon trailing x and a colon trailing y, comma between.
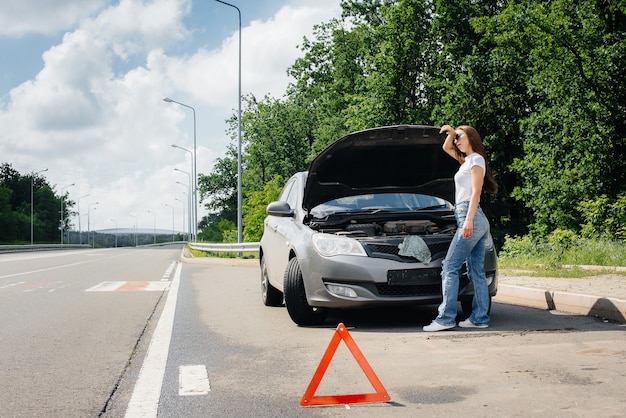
x: 490, y: 185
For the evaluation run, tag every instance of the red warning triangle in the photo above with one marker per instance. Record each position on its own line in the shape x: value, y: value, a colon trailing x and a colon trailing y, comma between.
x: 341, y: 333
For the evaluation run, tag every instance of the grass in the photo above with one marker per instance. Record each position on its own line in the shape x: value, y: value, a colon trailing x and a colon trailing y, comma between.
x: 574, y: 272
x: 221, y: 254
x: 562, y: 254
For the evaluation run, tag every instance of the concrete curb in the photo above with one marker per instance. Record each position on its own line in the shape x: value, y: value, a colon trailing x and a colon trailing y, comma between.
x: 609, y: 308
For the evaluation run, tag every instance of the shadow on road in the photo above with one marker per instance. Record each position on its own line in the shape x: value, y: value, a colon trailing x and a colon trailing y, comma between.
x: 504, y: 318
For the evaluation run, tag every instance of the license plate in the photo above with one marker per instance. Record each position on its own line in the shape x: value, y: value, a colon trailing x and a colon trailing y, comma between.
x: 413, y: 277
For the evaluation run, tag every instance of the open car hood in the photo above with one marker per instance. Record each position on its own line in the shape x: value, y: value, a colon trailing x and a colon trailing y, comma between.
x: 398, y: 159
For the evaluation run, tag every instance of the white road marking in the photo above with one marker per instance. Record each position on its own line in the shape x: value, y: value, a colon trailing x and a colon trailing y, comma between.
x: 5, y: 286
x: 144, y: 401
x: 105, y: 287
x: 114, y: 286
x: 47, y: 269
x: 193, y: 380
x: 168, y: 272
x: 157, y: 286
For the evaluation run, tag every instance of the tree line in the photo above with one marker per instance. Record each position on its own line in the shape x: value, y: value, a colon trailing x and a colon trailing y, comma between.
x: 30, y: 209
x: 544, y: 82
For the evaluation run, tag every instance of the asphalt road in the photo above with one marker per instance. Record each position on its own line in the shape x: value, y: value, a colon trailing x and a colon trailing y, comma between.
x: 63, y: 348
x: 73, y: 345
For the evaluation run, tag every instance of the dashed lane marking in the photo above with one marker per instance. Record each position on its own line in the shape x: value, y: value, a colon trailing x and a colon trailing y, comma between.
x: 168, y: 273
x: 193, y: 380
x: 6, y: 286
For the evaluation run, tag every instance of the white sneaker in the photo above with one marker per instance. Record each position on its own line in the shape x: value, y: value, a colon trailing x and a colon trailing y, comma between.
x: 436, y: 326
x: 469, y: 324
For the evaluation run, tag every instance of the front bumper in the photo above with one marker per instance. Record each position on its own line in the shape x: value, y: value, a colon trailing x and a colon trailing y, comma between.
x: 366, y: 280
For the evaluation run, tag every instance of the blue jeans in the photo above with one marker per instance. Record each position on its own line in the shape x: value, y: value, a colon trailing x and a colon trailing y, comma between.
x: 472, y: 250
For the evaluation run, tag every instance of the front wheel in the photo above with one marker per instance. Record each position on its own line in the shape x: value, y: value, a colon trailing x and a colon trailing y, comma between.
x: 295, y: 298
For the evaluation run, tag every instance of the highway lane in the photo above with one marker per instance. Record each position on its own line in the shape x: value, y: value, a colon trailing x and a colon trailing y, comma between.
x: 69, y: 324
x: 257, y: 363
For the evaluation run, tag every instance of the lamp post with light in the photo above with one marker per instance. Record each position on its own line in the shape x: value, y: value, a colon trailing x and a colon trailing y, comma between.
x: 239, y: 214
x: 134, y: 227
x: 113, y: 220
x: 153, y: 226
x: 80, y: 230
x: 194, y: 171
x: 192, y: 207
x: 62, y: 224
x: 32, y: 193
x: 93, y: 243
x: 183, y: 212
x: 172, y: 207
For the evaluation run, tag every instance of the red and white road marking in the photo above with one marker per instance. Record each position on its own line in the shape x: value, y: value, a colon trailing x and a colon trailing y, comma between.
x: 148, y: 286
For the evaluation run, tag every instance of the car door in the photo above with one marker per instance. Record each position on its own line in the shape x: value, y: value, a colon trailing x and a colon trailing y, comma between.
x: 275, y: 240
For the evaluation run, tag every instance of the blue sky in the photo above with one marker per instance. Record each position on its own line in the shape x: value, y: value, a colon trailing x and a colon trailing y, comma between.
x: 82, y: 83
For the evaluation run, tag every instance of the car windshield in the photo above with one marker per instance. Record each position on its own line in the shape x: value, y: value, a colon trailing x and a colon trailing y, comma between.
x: 382, y: 202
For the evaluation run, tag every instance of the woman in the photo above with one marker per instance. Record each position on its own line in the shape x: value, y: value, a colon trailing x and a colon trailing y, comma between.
x: 465, y: 145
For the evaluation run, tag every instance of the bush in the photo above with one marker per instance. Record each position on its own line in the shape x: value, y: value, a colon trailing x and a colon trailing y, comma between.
x: 561, y: 247
x: 604, y: 217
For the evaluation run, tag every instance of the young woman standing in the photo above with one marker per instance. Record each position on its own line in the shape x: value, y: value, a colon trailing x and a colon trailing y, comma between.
x: 468, y: 245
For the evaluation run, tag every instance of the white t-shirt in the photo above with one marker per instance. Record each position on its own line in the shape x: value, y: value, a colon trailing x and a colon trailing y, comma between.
x: 463, y: 177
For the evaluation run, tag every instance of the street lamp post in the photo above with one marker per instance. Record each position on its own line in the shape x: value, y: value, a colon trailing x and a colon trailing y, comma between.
x: 183, y: 212
x: 188, y: 210
x: 80, y: 230
x: 93, y: 244
x: 239, y: 214
x: 189, y: 206
x: 113, y: 220
x: 135, y: 227
x: 194, y: 171
x: 62, y: 224
x: 153, y: 226
x: 172, y: 207
x: 32, y: 181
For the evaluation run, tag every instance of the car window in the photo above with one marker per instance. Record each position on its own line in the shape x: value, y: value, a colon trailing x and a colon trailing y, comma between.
x: 285, y: 192
x: 289, y: 194
x: 292, y: 196
x: 383, y: 201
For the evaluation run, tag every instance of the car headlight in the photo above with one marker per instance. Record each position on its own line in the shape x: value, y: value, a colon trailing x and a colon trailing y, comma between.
x: 329, y: 245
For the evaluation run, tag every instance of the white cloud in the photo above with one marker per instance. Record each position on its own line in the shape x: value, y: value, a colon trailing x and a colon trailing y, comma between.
x: 94, y: 114
x: 21, y: 17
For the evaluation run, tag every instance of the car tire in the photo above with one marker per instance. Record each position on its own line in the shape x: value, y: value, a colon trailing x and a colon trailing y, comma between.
x: 270, y: 295
x: 295, y: 298
x: 466, y: 305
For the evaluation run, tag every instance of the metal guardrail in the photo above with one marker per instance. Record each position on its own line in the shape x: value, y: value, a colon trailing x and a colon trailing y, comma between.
x: 244, y: 246
x: 41, y: 247
x: 201, y: 246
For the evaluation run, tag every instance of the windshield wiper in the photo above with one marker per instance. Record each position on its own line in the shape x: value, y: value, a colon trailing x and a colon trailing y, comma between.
x: 432, y: 207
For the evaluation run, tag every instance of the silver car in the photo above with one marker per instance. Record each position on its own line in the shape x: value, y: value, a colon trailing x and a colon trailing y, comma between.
x: 368, y: 225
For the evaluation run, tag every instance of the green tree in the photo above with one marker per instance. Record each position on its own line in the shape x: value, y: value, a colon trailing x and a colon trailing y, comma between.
x: 277, y: 140
x: 541, y: 80
x: 574, y: 146
x: 16, y: 204
x: 218, y: 190
x: 254, y: 209
x: 483, y: 84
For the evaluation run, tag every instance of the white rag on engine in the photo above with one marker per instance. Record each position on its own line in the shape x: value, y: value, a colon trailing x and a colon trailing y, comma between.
x: 415, y: 246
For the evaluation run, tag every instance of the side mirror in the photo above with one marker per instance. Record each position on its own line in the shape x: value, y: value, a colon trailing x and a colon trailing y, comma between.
x: 279, y: 208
